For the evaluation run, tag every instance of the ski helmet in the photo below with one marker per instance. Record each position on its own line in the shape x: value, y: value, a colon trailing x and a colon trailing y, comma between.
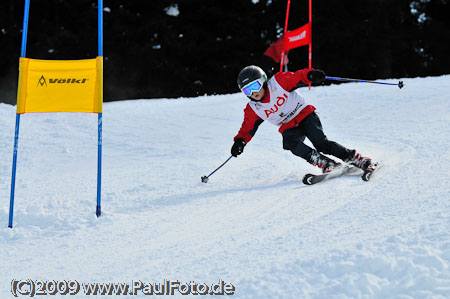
x: 249, y: 74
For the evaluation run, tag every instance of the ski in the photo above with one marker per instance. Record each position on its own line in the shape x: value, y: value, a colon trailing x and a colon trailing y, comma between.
x: 367, y: 175
x: 311, y: 179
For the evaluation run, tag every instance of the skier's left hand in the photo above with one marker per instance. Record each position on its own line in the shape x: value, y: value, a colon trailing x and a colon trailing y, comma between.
x: 316, y: 76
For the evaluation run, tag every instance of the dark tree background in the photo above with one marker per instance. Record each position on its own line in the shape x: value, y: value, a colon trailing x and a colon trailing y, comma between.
x: 173, y: 48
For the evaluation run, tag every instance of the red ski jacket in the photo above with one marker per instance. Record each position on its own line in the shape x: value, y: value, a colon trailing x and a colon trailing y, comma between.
x: 288, y: 81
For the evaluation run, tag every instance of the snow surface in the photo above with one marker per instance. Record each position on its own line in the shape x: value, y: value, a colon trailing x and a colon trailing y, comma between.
x: 254, y: 224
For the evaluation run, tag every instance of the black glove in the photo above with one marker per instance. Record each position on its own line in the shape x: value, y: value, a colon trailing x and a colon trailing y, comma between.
x: 316, y: 76
x: 238, y: 147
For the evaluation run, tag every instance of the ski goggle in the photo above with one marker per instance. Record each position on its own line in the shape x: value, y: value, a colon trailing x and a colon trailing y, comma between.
x: 253, y: 86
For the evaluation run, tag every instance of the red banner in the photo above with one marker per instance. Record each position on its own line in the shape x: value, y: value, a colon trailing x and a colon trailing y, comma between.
x: 297, y: 38
x: 275, y: 49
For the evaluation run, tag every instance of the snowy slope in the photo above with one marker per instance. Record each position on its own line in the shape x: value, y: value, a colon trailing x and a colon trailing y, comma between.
x: 254, y: 224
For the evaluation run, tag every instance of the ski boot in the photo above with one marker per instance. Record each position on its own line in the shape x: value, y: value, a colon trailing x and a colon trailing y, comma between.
x: 323, y: 162
x: 361, y: 162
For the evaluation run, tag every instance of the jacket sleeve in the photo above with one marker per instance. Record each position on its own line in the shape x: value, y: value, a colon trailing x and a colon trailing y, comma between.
x: 289, y: 80
x: 249, y: 125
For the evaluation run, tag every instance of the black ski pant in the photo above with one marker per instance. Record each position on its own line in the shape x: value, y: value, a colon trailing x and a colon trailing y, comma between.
x: 311, y: 128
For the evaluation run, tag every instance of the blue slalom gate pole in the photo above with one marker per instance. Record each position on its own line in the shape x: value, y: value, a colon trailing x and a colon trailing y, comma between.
x: 98, y: 210
x: 399, y: 84
x: 13, y: 177
x: 23, y: 50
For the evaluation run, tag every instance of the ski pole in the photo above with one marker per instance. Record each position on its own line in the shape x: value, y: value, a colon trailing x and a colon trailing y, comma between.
x: 399, y: 84
x: 205, y: 178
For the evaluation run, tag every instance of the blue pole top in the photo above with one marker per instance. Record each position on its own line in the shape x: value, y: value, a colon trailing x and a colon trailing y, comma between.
x: 100, y: 27
x: 25, y: 28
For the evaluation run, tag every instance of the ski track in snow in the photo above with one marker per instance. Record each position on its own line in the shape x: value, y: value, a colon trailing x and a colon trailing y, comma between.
x: 254, y: 224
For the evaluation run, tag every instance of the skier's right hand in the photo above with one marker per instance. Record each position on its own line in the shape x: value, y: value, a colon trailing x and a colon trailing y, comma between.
x: 238, y: 147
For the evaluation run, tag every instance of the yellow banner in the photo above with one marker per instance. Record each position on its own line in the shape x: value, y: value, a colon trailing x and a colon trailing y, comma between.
x: 60, y: 85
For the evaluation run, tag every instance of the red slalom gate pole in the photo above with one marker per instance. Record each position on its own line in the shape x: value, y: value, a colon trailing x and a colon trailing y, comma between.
x: 310, y: 42
x: 284, y: 35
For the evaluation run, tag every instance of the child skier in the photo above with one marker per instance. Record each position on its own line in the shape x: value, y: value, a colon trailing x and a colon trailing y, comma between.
x: 274, y: 101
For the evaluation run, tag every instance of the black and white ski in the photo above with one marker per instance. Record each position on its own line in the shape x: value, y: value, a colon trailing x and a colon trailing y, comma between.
x: 311, y: 179
x: 367, y: 175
